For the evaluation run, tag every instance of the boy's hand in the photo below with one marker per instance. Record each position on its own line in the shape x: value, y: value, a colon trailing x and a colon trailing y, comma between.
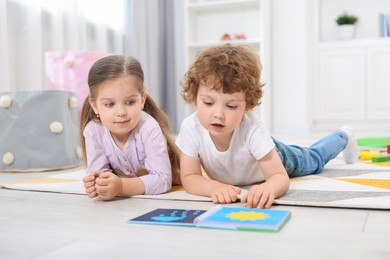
x: 89, y: 184
x: 224, y: 194
x: 108, y: 185
x: 259, y: 196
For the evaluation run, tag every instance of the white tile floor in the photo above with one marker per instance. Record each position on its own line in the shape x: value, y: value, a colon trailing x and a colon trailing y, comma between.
x: 38, y: 225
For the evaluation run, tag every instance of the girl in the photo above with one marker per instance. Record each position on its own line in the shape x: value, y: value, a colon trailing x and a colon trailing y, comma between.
x: 226, y: 138
x: 126, y: 139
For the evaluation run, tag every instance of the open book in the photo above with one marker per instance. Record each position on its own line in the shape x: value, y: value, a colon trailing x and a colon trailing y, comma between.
x: 219, y: 217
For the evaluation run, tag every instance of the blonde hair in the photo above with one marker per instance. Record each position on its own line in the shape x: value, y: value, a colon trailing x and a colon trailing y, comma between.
x: 115, y: 66
x: 227, y: 68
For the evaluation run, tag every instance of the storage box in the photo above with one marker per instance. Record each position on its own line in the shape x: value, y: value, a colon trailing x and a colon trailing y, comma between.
x: 39, y: 131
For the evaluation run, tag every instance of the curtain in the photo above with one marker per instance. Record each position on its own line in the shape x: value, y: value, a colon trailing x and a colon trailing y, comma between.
x: 154, y: 35
x: 28, y: 29
x: 149, y: 30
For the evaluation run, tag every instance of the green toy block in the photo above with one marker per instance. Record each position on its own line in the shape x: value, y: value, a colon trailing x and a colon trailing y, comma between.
x: 374, y: 141
x: 380, y: 159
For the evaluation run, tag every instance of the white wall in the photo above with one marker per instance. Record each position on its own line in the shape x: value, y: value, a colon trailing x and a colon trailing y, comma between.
x: 291, y: 65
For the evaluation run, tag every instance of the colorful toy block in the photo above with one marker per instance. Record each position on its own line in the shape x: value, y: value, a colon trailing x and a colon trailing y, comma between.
x: 367, y: 154
x: 381, y: 159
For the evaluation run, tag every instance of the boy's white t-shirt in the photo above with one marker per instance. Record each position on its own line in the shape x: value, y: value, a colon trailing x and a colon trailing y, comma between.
x: 239, y: 164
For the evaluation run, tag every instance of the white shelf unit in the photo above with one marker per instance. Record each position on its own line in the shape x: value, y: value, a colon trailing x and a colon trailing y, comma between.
x: 352, y: 80
x: 206, y: 21
x: 368, y: 13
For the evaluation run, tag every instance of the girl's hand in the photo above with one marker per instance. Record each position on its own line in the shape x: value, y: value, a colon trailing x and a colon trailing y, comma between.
x: 224, y: 194
x: 259, y: 196
x: 108, y: 185
x: 89, y: 184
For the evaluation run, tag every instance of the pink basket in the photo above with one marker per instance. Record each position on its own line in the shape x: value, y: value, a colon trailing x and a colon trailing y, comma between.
x: 69, y: 71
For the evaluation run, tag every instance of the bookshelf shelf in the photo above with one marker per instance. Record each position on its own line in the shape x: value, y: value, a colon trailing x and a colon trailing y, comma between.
x: 209, y: 6
x: 354, y: 43
x: 368, y: 13
x: 206, y: 21
x: 197, y: 45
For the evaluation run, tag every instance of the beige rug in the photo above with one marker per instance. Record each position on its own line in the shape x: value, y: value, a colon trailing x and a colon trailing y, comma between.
x: 359, y: 185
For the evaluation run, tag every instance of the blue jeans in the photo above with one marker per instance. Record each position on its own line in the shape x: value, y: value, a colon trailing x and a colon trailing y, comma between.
x: 302, y: 161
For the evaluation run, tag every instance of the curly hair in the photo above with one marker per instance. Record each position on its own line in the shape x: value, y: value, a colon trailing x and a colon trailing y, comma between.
x: 227, y: 68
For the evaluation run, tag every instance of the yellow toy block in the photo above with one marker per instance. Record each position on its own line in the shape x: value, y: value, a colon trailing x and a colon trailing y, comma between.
x: 367, y: 155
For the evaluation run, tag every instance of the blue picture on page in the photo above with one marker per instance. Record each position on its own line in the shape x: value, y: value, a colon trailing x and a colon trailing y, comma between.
x: 169, y: 217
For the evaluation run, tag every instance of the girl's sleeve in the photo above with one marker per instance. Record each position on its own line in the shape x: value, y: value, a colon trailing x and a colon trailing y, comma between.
x: 96, y: 158
x: 157, y: 163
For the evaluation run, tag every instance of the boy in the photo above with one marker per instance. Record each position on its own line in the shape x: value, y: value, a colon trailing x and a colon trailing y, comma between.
x: 225, y: 138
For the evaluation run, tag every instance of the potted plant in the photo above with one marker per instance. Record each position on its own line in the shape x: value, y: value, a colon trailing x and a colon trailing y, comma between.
x: 346, y: 25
